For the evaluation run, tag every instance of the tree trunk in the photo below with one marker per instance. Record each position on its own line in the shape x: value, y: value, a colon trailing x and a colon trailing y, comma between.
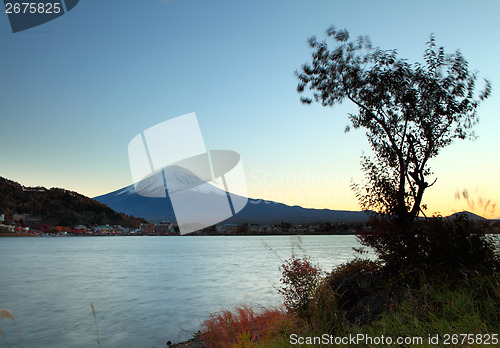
x: 418, y: 199
x: 401, y: 209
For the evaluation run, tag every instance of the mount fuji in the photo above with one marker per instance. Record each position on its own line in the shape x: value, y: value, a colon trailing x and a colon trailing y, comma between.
x: 156, y: 206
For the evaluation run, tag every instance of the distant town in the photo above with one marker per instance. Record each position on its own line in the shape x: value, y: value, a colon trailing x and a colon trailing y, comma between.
x: 25, y: 225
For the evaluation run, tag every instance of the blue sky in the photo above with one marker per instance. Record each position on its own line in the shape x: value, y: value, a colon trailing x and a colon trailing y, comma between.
x: 76, y: 90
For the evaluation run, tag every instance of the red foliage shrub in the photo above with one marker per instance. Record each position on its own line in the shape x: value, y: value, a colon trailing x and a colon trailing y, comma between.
x: 226, y: 327
x: 300, y: 279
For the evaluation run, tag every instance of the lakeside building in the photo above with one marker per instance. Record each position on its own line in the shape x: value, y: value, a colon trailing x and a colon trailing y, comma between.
x: 256, y: 228
x: 10, y: 228
x: 162, y: 228
x: 227, y: 228
x: 19, y: 217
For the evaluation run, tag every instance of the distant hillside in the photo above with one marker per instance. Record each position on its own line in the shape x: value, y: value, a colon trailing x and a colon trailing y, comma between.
x: 470, y: 216
x: 58, y: 207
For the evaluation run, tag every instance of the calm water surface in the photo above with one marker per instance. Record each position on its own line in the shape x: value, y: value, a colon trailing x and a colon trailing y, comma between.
x: 146, y: 290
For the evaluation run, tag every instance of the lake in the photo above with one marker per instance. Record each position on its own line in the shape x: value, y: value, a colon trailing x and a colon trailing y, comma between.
x: 146, y: 290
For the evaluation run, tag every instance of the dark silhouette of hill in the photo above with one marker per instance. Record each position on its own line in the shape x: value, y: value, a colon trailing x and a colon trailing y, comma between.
x: 470, y: 216
x: 58, y: 207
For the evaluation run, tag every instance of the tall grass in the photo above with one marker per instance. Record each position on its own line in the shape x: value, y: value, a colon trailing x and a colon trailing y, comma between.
x: 95, y: 321
x: 7, y: 314
x: 483, y: 207
x: 244, y: 327
x: 5, y: 338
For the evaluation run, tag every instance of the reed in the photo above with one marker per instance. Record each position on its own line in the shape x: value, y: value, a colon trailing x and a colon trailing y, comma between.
x: 96, y: 327
x: 483, y: 207
x: 5, y: 338
x: 6, y: 314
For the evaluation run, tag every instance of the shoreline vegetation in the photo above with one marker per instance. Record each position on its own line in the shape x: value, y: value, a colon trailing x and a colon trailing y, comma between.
x: 23, y: 230
x: 31, y: 227
x: 434, y: 283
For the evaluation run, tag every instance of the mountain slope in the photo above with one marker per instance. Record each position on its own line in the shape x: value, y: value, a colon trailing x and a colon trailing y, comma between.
x: 127, y: 201
x: 57, y: 206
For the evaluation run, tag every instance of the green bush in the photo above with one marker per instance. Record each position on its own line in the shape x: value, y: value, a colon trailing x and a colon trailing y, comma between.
x: 353, y: 280
x: 362, y: 290
x: 438, y: 308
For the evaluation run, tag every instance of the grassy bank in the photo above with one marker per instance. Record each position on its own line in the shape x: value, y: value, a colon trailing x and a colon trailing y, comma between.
x: 416, y: 315
x: 445, y: 291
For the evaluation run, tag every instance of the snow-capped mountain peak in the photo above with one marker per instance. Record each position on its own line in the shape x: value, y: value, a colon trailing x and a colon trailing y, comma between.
x: 173, y: 179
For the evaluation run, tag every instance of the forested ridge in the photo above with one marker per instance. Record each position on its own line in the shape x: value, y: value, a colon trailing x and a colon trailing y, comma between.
x: 56, y: 206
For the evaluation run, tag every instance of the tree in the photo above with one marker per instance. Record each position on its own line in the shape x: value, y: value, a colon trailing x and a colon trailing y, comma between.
x: 410, y: 112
